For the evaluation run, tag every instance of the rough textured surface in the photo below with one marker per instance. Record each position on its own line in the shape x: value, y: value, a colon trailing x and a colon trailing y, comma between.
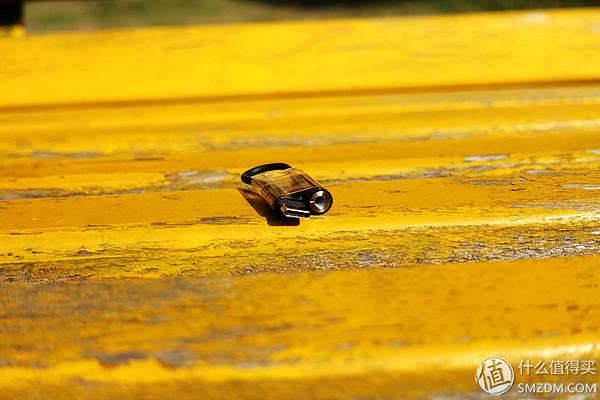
x: 306, y: 57
x: 411, y: 332
x: 193, y: 145
x: 379, y: 223
x: 463, y: 157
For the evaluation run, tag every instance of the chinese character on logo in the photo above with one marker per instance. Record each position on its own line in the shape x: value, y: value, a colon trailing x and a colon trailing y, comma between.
x: 495, y: 375
x: 557, y: 367
x: 572, y: 367
x: 524, y: 367
x: 588, y: 367
x: 540, y: 368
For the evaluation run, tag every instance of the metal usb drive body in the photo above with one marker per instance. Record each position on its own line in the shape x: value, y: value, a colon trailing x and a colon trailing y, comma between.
x: 289, y: 190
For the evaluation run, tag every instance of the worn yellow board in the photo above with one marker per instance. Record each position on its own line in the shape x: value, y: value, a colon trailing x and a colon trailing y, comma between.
x: 94, y: 150
x: 462, y: 153
x: 300, y: 57
x: 417, y: 332
x: 378, y: 223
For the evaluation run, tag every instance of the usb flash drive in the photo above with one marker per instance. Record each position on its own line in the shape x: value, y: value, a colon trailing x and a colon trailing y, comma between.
x: 289, y: 190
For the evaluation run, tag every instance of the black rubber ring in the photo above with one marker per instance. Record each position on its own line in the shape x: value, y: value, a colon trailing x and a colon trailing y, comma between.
x: 247, y: 176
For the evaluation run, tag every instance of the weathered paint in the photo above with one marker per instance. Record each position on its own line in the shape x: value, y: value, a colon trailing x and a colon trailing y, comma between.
x: 300, y: 57
x: 412, y: 332
x: 447, y: 142
x: 389, y: 223
x: 100, y: 150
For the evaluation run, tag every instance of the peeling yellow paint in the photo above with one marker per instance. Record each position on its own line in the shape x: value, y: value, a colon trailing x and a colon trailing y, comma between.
x: 404, y: 332
x: 393, y: 223
x: 102, y: 150
x: 443, y: 150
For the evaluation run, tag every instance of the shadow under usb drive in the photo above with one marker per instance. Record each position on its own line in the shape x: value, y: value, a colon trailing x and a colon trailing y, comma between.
x: 264, y: 210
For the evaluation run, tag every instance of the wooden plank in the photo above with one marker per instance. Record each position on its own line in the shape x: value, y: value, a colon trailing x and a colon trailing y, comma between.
x: 72, y: 176
x: 112, y: 133
x: 494, y: 174
x: 103, y: 150
x: 105, y: 139
x: 390, y: 223
x: 300, y: 57
x: 411, y: 333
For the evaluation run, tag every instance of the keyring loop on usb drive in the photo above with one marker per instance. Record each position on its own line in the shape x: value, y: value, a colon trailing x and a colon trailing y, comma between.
x: 247, y: 176
x: 289, y: 190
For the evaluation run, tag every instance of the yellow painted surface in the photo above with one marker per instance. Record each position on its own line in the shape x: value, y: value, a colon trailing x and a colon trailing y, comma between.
x: 409, y: 332
x: 379, y: 223
x: 207, y: 145
x: 462, y: 153
x: 423, y: 177
x: 300, y: 57
x: 14, y: 31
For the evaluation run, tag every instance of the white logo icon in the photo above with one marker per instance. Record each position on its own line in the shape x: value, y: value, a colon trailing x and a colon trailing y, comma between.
x: 495, y: 375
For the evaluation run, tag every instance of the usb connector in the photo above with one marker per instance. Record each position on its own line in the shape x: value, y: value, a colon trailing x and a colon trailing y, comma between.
x: 294, y: 212
x: 293, y: 208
